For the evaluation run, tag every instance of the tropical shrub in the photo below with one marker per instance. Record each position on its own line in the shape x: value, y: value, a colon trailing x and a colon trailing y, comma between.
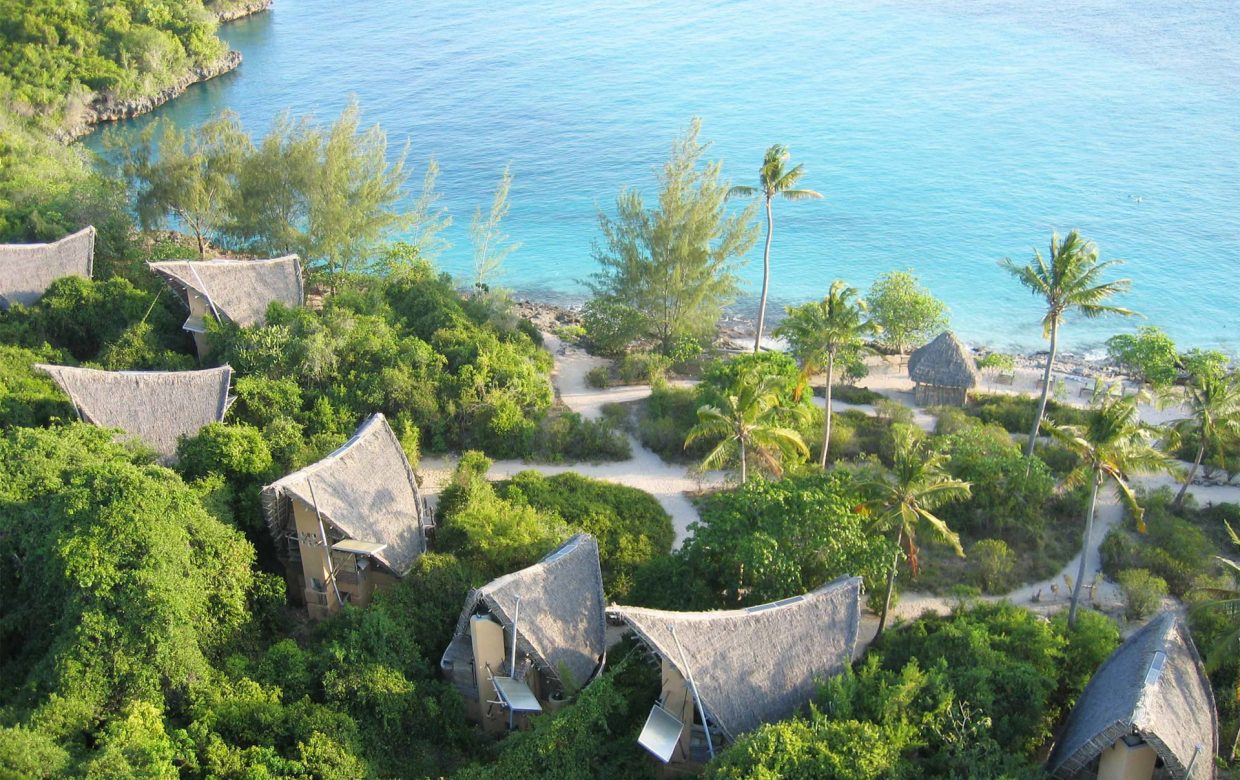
x: 644, y: 368
x: 598, y: 377
x: 995, y: 562
x: 569, y: 437
x: 1143, y: 592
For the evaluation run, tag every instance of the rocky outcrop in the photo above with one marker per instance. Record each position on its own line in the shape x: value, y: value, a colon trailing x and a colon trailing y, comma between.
x: 243, y: 10
x: 109, y: 108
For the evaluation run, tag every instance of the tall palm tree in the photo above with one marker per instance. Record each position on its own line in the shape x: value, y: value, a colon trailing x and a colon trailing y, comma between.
x: 1112, y: 446
x: 1214, y: 417
x: 916, y: 484
x: 1068, y: 283
x: 773, y: 180
x: 750, y: 424
x: 820, y: 332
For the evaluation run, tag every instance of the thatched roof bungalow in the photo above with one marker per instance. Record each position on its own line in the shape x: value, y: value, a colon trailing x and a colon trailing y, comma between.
x: 351, y: 523
x: 944, y: 372
x: 157, y: 407
x: 525, y: 640
x: 26, y: 270
x: 744, y: 667
x: 235, y: 290
x: 1147, y: 713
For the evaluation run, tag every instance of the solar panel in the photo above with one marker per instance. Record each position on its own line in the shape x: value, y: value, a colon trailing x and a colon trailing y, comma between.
x: 516, y: 695
x: 1156, y: 667
x: 775, y: 604
x: 661, y: 733
x: 358, y: 547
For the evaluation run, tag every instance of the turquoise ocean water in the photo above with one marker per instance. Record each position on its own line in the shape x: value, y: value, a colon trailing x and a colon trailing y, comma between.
x: 946, y: 134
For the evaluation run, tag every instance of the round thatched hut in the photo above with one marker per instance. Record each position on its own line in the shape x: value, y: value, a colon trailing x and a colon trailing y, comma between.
x: 944, y: 372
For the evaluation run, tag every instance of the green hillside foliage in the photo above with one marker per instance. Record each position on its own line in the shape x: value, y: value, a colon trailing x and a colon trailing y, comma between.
x: 56, y: 55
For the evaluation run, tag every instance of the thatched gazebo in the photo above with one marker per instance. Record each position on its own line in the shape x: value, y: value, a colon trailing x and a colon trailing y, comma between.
x: 238, y: 291
x: 351, y: 523
x: 157, y: 407
x: 1147, y: 713
x: 26, y: 270
x: 728, y: 672
x: 944, y: 372
x: 528, y: 639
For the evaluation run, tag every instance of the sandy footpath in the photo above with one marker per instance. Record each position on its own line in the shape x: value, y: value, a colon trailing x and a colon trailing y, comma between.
x: 672, y: 484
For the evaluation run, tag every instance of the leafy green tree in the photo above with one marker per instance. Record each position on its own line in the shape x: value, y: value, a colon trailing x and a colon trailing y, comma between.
x: 189, y: 175
x: 905, y: 311
x: 774, y: 180
x: 1214, y: 418
x: 1069, y: 282
x: 917, y: 483
x: 818, y: 333
x: 771, y: 539
x: 1113, y: 445
x: 1149, y: 353
x: 751, y: 425
x: 674, y: 264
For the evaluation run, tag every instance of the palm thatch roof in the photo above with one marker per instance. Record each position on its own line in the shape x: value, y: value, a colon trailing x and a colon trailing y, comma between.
x: 158, y: 407
x: 756, y: 665
x: 944, y: 362
x: 1154, y: 686
x: 365, y: 490
x: 26, y: 270
x: 239, y: 290
x: 561, y: 624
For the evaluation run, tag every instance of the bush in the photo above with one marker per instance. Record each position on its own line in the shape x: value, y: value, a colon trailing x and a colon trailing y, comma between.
x: 664, y: 420
x: 599, y: 377
x: 851, y: 394
x: 892, y: 412
x: 644, y: 368
x: 995, y: 562
x: 572, y: 438
x: 1015, y: 413
x: 1143, y: 592
x: 630, y: 525
x: 610, y: 327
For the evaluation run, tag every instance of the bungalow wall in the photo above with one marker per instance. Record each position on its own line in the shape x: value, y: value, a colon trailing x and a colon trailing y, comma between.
x: 474, y: 657
x: 355, y: 581
x: 937, y: 395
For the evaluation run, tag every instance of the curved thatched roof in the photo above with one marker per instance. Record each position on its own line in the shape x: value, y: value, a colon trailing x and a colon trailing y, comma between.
x: 757, y: 665
x: 1171, y: 708
x: 562, y: 623
x: 365, y: 490
x: 238, y: 289
x: 944, y: 362
x: 158, y: 407
x: 27, y: 269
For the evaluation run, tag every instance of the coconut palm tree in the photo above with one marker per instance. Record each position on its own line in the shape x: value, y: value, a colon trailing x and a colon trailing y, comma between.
x: 1112, y: 446
x: 773, y: 180
x: 820, y: 332
x: 750, y: 425
x: 916, y: 484
x: 1214, y: 417
x: 1068, y: 283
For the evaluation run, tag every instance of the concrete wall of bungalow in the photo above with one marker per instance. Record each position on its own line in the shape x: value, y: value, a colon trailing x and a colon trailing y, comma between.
x: 355, y: 579
x: 199, y: 311
x: 473, y: 659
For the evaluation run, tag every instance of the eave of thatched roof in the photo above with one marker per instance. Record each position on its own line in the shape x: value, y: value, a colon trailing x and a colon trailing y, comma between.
x: 1173, y: 711
x: 944, y: 362
x: 158, y: 407
x: 240, y: 290
x: 756, y: 665
x: 366, y: 490
x: 561, y: 624
x: 26, y: 270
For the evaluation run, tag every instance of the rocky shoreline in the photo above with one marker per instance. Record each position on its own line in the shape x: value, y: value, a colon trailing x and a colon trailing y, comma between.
x: 736, y: 329
x: 110, y: 108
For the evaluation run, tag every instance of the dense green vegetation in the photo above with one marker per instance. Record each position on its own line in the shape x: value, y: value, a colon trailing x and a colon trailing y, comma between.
x: 972, y: 695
